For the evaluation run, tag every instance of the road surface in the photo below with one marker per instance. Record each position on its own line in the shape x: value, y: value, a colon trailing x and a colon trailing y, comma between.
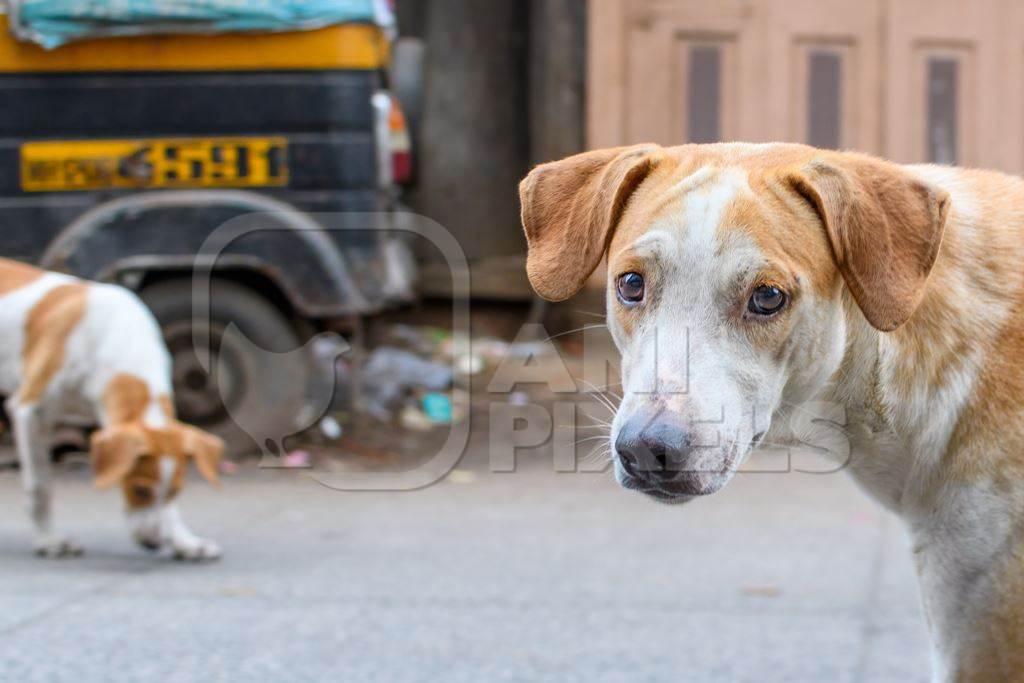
x: 524, y: 576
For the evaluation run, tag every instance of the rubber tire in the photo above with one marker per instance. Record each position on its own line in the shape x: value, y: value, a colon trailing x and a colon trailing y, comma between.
x: 270, y: 394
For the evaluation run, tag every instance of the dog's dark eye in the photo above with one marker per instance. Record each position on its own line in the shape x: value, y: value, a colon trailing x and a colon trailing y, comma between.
x: 630, y: 288
x: 766, y: 300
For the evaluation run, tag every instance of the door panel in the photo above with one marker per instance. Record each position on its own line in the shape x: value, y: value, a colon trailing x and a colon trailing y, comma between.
x: 693, y: 72
x: 771, y: 62
x: 912, y: 80
x: 943, y: 82
x: 824, y: 75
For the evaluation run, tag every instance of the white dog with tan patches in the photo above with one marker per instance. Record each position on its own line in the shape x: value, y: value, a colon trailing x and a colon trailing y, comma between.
x: 68, y: 346
x: 745, y: 281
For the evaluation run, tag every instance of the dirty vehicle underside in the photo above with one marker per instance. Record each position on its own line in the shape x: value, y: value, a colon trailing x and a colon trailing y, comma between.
x: 134, y: 159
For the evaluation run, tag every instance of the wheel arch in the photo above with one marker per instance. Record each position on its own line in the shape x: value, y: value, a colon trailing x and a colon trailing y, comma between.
x: 157, y: 234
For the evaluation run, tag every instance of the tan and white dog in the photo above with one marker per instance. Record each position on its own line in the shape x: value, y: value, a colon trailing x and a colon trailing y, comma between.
x: 745, y: 281
x: 68, y: 346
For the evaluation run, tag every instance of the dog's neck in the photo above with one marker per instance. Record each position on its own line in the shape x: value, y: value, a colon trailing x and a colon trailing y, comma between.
x: 909, y: 397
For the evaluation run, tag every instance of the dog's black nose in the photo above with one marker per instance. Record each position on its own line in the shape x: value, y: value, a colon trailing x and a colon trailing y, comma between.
x: 653, y: 447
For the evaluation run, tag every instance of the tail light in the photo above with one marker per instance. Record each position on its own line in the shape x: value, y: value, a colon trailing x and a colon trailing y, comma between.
x: 394, y: 146
x: 401, y: 145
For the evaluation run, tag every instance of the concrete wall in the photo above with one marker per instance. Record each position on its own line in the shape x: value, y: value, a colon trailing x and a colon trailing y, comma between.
x: 503, y: 89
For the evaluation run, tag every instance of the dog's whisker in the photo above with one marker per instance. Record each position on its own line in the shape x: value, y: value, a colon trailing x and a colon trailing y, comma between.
x: 607, y: 405
x: 597, y: 456
x: 596, y: 315
x: 601, y: 396
x: 582, y: 328
x: 590, y: 438
x: 602, y: 429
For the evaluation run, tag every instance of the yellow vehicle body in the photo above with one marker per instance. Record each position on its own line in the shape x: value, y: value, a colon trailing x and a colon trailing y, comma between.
x: 346, y: 46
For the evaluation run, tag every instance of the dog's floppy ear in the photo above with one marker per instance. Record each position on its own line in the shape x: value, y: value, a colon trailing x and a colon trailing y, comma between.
x: 206, y: 449
x: 114, y: 451
x: 884, y: 225
x: 570, y: 209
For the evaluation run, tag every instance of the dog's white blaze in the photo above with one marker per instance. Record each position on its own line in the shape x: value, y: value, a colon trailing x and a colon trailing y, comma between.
x: 702, y: 362
x: 704, y: 207
x: 679, y: 360
x: 146, y: 523
x: 168, y: 466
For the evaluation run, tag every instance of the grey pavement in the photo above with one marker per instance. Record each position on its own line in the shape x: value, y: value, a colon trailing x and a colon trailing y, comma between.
x: 525, y: 576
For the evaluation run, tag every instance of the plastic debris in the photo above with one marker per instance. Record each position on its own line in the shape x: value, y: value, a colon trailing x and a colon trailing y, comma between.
x: 491, y: 349
x: 52, y: 23
x: 470, y: 364
x: 298, y: 459
x: 391, y: 374
x: 426, y: 341
x: 330, y: 428
x: 415, y: 419
x: 438, y: 407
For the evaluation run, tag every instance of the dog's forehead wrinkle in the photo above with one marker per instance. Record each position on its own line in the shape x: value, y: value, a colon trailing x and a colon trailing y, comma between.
x: 691, y: 182
x: 655, y: 243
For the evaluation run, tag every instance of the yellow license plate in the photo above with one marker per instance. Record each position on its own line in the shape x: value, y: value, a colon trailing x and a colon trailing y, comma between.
x: 54, y: 166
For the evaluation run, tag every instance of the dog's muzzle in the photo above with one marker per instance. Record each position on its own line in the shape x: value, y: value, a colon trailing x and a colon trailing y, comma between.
x: 659, y: 456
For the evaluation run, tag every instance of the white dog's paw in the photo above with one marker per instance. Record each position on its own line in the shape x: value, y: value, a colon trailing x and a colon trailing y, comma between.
x: 196, y: 549
x: 57, y: 546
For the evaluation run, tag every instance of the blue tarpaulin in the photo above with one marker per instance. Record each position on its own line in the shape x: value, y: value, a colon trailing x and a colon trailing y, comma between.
x: 51, y: 23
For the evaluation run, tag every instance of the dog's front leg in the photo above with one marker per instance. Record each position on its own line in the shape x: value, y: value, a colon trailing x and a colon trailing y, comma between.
x: 34, y: 459
x: 186, y: 545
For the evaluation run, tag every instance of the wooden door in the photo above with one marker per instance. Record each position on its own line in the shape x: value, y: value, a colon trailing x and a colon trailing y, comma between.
x: 672, y: 72
x: 944, y: 79
x: 675, y: 71
x: 823, y: 82
x: 912, y: 80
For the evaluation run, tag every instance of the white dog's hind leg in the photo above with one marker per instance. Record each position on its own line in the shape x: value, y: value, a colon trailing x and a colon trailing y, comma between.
x: 34, y: 459
x: 186, y: 545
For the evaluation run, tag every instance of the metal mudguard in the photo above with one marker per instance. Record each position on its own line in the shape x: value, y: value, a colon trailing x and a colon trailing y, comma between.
x: 236, y: 229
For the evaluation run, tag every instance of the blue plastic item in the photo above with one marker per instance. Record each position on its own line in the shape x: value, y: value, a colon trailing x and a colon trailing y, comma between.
x: 438, y: 407
x: 52, y: 23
